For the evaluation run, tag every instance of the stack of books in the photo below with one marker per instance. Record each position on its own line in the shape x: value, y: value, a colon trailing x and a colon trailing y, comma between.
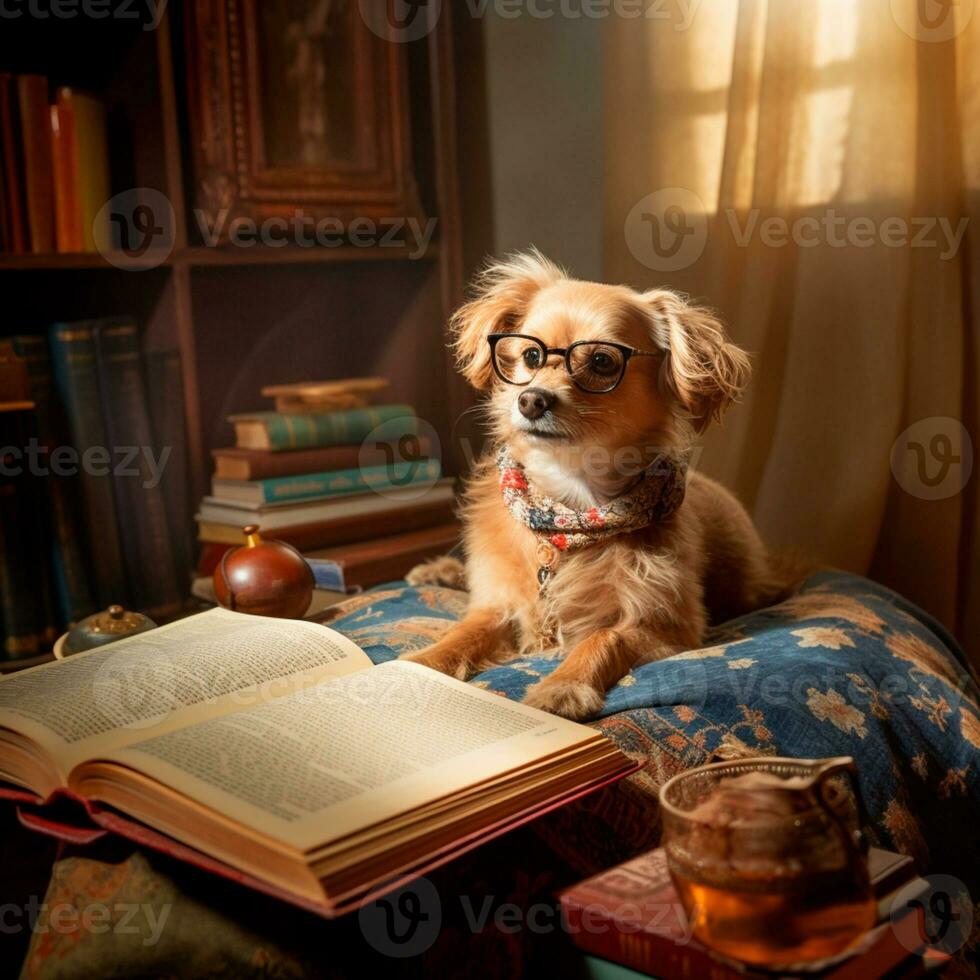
x: 630, y: 922
x: 355, y: 486
x: 54, y: 168
x: 93, y: 502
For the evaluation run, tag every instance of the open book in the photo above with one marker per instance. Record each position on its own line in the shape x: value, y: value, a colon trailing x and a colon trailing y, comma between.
x: 276, y: 748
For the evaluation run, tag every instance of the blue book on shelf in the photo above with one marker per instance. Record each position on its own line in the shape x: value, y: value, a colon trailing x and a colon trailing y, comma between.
x: 77, y: 382
x: 290, y: 489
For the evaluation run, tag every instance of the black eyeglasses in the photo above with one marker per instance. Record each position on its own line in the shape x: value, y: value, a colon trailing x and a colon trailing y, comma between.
x: 596, y: 366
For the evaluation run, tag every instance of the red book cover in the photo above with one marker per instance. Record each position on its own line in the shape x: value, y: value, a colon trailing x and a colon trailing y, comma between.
x: 46, y: 817
x: 632, y: 915
x: 35, y: 127
x: 13, y: 165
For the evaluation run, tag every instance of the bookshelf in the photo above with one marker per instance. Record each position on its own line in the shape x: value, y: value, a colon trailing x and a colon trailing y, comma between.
x: 245, y: 317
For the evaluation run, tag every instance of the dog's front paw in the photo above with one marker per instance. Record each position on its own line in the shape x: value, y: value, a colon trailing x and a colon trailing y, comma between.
x: 444, y: 571
x: 570, y: 699
x: 445, y: 661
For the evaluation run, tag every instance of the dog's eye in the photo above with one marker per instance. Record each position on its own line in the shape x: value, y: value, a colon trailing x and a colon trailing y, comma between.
x: 603, y: 363
x: 532, y: 358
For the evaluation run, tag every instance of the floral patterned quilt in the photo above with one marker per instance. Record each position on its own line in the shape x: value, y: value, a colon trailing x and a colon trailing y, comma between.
x: 844, y: 667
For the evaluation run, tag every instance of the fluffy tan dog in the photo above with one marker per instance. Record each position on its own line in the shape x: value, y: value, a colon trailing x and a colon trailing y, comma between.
x: 644, y: 565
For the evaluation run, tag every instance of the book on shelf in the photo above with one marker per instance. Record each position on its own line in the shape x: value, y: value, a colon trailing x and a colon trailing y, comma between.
x: 38, y: 174
x: 69, y: 561
x: 144, y: 534
x: 15, y: 207
x: 257, y: 748
x: 335, y: 483
x: 319, y: 523
x: 384, y: 559
x: 231, y: 463
x: 281, y: 432
x: 27, y: 602
x: 81, y: 171
x: 632, y: 915
x: 77, y: 382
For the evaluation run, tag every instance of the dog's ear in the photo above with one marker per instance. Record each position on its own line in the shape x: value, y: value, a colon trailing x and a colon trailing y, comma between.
x: 501, y: 295
x: 703, y: 370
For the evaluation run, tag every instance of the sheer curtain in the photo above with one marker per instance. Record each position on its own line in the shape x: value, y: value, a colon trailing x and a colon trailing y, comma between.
x: 818, y: 165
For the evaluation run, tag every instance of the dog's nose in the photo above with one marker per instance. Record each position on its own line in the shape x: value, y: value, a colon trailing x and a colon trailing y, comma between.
x: 534, y: 402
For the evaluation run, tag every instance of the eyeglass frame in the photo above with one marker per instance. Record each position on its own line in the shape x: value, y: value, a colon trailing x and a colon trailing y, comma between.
x: 566, y: 354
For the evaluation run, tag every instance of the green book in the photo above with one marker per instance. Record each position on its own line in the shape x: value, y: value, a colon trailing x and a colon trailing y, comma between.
x: 77, y: 382
x: 71, y: 574
x: 337, y: 483
x: 278, y: 432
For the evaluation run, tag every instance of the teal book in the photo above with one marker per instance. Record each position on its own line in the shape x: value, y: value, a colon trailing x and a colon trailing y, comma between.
x: 338, y: 483
x: 278, y: 432
x: 71, y: 573
x: 138, y: 472
x: 77, y: 383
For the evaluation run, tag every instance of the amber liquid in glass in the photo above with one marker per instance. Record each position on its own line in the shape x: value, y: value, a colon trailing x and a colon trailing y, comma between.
x: 770, y: 921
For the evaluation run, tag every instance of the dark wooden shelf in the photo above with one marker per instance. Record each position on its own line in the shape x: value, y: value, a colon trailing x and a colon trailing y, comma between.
x: 206, y: 257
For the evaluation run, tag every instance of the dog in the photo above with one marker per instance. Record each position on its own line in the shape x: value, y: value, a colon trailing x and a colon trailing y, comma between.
x: 582, y: 533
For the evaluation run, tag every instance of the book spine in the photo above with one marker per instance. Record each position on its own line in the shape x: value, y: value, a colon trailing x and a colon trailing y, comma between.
x: 67, y: 206
x: 165, y: 396
x: 342, y: 482
x: 596, y: 932
x: 76, y: 380
x: 260, y: 464
x: 338, y: 428
x: 145, y: 538
x: 92, y: 149
x: 12, y: 164
x: 71, y: 576
x: 25, y: 580
x: 38, y: 167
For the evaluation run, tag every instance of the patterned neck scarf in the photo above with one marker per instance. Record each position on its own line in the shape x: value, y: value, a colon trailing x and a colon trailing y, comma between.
x: 655, y: 495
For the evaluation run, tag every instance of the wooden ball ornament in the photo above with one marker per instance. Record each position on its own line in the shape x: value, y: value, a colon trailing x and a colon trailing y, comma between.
x: 264, y: 578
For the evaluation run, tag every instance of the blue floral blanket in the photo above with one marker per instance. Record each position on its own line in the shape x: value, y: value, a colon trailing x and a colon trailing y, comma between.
x: 844, y: 667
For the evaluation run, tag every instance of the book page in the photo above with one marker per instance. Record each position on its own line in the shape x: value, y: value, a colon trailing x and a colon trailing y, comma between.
x: 331, y: 759
x: 206, y: 665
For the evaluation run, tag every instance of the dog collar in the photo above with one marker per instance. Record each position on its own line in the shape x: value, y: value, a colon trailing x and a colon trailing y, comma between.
x: 654, y: 497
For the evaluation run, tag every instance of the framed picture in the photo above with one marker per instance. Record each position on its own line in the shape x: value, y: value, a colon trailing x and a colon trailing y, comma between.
x: 296, y: 106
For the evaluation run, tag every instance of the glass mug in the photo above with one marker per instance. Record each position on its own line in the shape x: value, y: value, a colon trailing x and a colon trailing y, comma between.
x: 768, y: 857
